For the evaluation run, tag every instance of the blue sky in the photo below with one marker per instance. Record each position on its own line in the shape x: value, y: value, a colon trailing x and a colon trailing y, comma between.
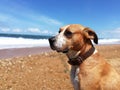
x: 46, y: 16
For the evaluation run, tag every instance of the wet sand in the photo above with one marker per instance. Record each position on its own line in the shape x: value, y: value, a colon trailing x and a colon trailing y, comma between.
x: 33, y: 69
x: 18, y: 52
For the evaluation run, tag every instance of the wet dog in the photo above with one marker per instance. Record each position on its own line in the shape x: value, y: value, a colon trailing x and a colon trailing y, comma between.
x: 89, y: 71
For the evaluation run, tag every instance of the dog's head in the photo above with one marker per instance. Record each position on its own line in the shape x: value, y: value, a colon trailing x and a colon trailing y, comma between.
x: 72, y: 37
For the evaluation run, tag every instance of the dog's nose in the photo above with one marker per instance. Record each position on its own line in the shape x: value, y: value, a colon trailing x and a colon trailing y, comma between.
x: 52, y: 39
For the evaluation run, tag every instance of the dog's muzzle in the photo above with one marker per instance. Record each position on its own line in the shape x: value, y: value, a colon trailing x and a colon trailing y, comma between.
x: 52, y: 41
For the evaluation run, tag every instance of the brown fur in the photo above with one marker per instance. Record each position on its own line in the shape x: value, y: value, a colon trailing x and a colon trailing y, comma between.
x: 95, y: 73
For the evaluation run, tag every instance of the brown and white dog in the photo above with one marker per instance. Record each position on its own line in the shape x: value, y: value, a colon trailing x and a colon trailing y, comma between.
x: 89, y: 71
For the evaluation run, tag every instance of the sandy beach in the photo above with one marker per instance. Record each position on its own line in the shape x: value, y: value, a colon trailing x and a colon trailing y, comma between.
x: 18, y: 52
x: 43, y: 69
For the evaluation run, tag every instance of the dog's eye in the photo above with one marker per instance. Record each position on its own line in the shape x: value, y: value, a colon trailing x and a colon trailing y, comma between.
x: 59, y: 31
x: 68, y: 34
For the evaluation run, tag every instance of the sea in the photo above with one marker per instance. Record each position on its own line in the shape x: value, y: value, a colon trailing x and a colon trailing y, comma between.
x: 8, y: 41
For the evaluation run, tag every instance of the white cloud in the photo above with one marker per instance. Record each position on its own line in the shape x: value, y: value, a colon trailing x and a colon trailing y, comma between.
x: 33, y: 30
x: 27, y: 19
x: 33, y: 20
x: 49, y: 21
x: 17, y: 30
x: 38, y: 31
x: 5, y: 29
x: 114, y: 33
x: 117, y: 30
x: 45, y: 32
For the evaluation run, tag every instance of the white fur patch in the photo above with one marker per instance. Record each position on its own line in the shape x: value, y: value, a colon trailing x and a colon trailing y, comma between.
x: 95, y: 52
x: 60, y: 39
x: 74, y: 77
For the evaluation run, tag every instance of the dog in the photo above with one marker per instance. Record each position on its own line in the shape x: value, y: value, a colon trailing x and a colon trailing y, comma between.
x: 89, y: 70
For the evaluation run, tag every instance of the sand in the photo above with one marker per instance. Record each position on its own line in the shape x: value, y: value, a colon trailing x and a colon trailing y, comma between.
x: 43, y: 69
x: 18, y: 52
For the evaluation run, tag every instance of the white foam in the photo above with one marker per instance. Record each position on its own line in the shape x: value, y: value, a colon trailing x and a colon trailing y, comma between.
x: 109, y: 41
x: 6, y: 42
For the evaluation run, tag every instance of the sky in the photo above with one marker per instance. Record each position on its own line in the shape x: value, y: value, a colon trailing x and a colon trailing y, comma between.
x: 45, y: 17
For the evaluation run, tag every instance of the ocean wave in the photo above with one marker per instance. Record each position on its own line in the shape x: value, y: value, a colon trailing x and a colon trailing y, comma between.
x: 109, y: 41
x: 10, y: 42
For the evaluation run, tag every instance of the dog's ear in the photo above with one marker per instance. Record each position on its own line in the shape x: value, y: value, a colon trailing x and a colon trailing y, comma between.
x: 91, y: 35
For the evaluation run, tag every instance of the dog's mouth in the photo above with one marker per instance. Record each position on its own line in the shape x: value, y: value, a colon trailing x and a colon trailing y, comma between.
x: 58, y: 49
x: 63, y: 51
x: 52, y: 46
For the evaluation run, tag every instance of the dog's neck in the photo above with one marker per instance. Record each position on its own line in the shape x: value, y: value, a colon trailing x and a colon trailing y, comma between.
x: 77, y: 57
x: 75, y: 53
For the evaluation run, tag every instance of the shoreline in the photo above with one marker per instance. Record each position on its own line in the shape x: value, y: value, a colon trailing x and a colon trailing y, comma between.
x: 21, y: 52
